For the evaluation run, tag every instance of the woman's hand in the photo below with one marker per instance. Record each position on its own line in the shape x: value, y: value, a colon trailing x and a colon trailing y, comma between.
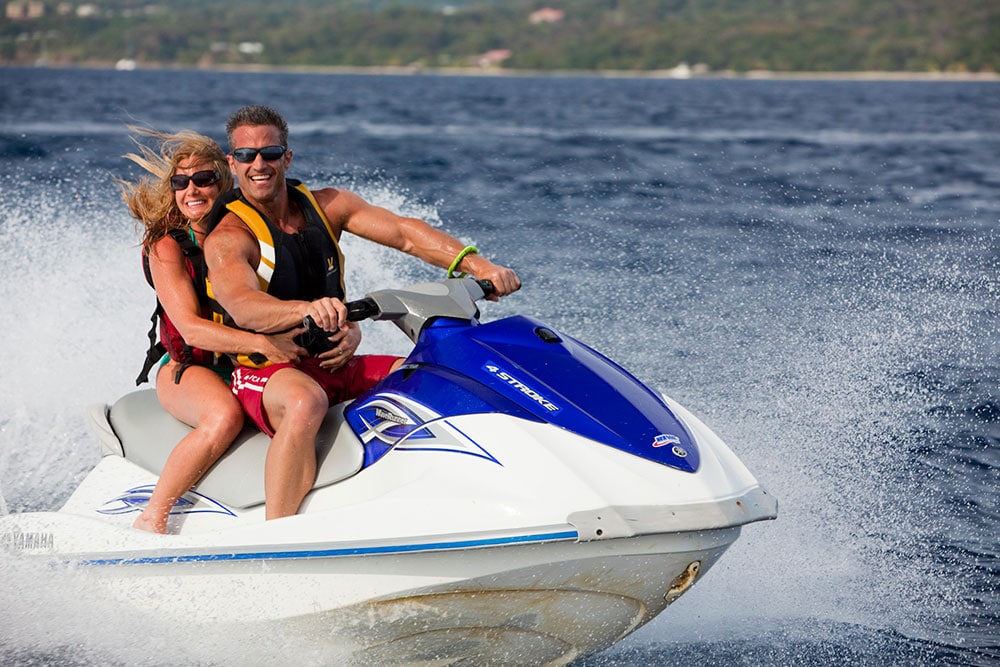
x: 345, y: 344
x: 281, y: 348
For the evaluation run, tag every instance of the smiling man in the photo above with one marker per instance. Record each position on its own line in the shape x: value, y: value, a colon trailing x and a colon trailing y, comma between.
x: 274, y: 258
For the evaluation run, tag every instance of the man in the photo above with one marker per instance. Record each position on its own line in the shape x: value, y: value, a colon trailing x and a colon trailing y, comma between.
x: 273, y: 259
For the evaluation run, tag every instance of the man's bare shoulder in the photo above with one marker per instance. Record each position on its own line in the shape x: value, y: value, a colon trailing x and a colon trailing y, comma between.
x: 230, y: 224
x: 338, y: 204
x: 328, y: 196
x: 231, y: 231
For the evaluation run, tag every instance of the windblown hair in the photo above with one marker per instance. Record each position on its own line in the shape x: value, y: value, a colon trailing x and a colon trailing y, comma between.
x: 255, y: 115
x: 151, y: 199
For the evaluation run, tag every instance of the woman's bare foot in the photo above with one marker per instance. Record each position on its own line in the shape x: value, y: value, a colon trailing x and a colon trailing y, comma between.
x: 150, y: 525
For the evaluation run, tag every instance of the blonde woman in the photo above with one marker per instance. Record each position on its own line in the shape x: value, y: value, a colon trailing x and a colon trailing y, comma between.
x: 187, y: 173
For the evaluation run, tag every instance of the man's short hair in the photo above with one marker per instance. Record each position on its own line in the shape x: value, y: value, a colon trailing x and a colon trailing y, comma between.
x: 255, y: 115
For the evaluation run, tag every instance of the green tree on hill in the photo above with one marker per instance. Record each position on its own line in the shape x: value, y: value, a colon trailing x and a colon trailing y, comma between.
x: 633, y: 35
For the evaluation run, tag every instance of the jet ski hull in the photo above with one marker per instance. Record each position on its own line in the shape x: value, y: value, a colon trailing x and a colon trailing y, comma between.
x: 509, y: 496
x: 539, y: 598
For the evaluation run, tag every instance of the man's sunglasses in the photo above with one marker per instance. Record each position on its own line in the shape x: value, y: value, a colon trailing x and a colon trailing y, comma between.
x: 201, y: 178
x: 248, y: 155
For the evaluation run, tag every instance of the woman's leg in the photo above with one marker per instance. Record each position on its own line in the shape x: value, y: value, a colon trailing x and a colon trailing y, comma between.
x: 204, y: 401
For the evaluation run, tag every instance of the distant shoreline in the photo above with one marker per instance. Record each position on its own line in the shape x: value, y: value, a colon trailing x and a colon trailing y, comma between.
x: 626, y: 74
x: 669, y: 74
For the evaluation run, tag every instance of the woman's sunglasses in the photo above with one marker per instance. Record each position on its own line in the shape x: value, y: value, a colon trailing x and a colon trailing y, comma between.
x: 202, y: 179
x: 248, y: 155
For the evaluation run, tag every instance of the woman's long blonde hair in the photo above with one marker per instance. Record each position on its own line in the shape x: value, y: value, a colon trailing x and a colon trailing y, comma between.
x: 151, y: 199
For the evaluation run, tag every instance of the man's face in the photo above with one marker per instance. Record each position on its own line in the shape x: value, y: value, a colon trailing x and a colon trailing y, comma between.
x: 260, y: 179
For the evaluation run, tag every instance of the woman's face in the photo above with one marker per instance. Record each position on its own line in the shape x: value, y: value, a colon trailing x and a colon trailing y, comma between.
x: 193, y: 200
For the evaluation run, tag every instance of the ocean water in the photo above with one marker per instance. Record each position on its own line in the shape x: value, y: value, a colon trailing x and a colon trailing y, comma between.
x: 812, y: 267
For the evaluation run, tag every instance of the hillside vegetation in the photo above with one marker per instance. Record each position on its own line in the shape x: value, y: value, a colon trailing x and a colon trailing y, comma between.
x: 630, y: 35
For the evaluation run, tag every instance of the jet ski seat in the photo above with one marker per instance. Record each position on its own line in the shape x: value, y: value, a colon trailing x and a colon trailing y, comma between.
x: 139, y: 429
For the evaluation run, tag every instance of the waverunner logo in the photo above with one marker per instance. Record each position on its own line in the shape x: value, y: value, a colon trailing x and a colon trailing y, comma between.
x: 388, y: 422
x: 512, y: 381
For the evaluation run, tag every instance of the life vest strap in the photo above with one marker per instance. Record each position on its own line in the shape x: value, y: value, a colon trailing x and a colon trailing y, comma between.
x: 156, y: 349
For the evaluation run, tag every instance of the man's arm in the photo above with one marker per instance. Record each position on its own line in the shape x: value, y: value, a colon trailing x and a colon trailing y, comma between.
x: 232, y: 254
x: 350, y: 212
x: 177, y: 295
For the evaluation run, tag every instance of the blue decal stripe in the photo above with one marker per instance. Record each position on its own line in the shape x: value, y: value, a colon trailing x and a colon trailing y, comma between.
x: 333, y: 553
x: 469, y: 438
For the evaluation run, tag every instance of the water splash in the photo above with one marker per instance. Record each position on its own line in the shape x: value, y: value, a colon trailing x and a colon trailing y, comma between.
x: 76, y: 311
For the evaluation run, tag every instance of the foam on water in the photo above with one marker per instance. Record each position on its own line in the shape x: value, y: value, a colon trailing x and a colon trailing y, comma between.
x: 809, y: 365
x: 825, y: 410
x: 76, y: 312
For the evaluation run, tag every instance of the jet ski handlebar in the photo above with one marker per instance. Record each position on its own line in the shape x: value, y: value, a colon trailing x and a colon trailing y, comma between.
x: 368, y: 307
x: 412, y: 308
x: 361, y: 309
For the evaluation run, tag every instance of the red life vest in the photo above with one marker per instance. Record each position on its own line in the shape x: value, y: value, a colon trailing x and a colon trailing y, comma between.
x: 170, y: 340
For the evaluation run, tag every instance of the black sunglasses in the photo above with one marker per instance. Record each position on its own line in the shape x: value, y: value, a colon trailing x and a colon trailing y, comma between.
x: 248, y: 155
x: 201, y: 178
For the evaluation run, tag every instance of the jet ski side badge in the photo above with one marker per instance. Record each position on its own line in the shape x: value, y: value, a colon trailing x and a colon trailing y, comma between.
x: 511, y: 381
x: 392, y: 421
x: 386, y: 421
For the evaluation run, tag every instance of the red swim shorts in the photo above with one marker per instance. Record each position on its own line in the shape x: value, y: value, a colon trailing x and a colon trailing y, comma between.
x: 349, y: 381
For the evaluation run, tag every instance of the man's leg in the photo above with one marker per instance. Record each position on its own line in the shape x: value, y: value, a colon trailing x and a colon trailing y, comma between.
x: 295, y: 406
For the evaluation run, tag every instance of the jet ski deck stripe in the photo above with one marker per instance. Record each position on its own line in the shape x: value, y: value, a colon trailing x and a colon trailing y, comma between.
x: 331, y: 553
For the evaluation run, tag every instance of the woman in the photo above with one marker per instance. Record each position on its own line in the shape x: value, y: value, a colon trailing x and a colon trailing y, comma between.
x: 188, y: 173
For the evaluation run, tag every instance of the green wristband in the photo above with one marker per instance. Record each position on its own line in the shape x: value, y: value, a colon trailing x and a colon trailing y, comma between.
x: 467, y: 250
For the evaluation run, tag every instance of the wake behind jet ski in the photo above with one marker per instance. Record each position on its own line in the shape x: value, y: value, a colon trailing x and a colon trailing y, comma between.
x: 509, y: 495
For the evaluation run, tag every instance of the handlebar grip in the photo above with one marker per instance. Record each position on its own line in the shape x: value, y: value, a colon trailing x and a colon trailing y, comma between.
x: 486, y: 286
x: 361, y: 309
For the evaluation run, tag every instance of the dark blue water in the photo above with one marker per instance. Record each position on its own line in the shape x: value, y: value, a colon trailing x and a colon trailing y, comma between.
x: 812, y: 267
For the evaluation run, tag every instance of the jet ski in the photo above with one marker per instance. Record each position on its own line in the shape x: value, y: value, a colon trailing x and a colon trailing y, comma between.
x: 508, y: 496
